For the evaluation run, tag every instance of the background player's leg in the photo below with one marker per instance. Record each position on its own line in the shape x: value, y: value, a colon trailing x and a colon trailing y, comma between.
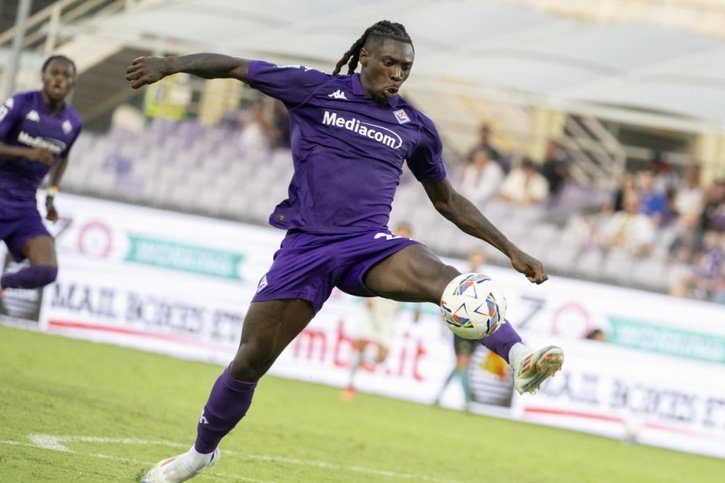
x: 268, y: 328
x: 43, y: 268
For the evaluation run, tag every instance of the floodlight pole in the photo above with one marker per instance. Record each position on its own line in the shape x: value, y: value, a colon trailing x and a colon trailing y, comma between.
x: 8, y: 85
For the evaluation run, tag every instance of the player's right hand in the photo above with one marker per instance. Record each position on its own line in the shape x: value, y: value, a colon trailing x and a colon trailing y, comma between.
x: 529, y: 266
x: 145, y: 70
x: 51, y: 212
x: 40, y: 155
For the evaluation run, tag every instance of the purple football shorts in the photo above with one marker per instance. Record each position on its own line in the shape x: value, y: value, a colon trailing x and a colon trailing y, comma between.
x: 308, y: 266
x: 18, y: 225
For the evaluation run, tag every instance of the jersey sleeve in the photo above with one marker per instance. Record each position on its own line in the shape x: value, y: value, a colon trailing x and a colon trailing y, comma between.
x: 291, y: 84
x: 9, y: 115
x: 73, y: 141
x: 426, y: 158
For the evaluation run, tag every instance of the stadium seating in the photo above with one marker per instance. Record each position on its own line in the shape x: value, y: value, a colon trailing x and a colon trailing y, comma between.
x: 186, y: 167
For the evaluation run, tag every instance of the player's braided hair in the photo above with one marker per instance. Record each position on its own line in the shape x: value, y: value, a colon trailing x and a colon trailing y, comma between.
x: 58, y: 57
x: 381, y: 30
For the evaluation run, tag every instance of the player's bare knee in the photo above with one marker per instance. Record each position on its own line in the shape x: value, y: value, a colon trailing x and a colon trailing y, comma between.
x: 445, y: 274
x: 245, y: 370
x: 250, y: 365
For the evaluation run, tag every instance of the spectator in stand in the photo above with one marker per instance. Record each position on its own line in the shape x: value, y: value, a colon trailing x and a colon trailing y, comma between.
x: 690, y: 197
x: 525, y: 185
x: 667, y: 178
x: 281, y: 122
x: 481, y: 178
x: 653, y: 201
x: 703, y: 279
x: 626, y: 183
x: 257, y: 132
x: 556, y: 170
x: 629, y: 230
x: 684, y: 239
x: 484, y: 142
x: 713, y: 211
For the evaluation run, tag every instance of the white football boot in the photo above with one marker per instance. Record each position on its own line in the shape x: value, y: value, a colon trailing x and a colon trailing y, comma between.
x: 181, y: 468
x: 534, y: 368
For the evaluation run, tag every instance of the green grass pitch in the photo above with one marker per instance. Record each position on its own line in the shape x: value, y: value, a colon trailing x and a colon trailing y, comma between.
x: 75, y: 411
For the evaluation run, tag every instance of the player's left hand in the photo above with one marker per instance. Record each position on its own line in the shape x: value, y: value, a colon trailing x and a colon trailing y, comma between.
x: 51, y: 212
x: 145, y: 70
x: 529, y: 266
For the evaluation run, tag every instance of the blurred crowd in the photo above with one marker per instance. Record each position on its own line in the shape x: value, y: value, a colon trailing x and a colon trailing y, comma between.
x: 661, y: 212
x: 661, y: 221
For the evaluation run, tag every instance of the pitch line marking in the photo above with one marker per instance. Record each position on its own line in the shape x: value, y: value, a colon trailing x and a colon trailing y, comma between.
x: 49, y: 441
x: 58, y: 443
x: 216, y: 475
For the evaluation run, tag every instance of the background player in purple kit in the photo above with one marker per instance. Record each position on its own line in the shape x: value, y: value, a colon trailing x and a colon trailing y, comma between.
x: 350, y: 136
x: 37, y: 131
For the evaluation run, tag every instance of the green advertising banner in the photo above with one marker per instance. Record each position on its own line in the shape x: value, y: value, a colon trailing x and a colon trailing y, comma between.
x: 184, y: 258
x: 666, y: 340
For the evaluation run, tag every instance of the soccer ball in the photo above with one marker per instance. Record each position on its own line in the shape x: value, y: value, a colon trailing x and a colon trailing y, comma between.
x: 473, y: 305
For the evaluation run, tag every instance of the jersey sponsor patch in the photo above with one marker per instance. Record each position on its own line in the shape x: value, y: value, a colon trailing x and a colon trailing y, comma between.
x: 53, y: 145
x: 369, y: 130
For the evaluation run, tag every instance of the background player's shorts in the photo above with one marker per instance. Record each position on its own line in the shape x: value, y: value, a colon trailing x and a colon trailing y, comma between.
x: 464, y: 346
x: 377, y: 323
x: 18, y: 225
x: 308, y: 266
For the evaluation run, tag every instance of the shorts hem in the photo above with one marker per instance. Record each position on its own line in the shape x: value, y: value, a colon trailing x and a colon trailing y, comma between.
x: 287, y: 295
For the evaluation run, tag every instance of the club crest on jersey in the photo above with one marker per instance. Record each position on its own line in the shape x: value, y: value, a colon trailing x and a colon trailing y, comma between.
x: 33, y: 116
x: 401, y: 116
x: 67, y: 127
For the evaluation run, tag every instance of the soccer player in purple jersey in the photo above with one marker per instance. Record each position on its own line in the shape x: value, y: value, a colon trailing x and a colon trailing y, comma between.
x: 37, y: 131
x: 350, y: 136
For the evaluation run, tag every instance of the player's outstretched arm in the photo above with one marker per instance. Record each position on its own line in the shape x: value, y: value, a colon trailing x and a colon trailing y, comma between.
x: 464, y: 214
x: 41, y: 155
x: 147, y: 70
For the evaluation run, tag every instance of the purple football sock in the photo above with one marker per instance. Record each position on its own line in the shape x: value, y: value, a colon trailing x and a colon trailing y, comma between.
x: 228, y: 403
x: 502, y: 340
x: 31, y: 277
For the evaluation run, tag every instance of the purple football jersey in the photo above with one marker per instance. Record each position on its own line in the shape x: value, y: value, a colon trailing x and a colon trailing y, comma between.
x: 348, y: 150
x: 24, y: 121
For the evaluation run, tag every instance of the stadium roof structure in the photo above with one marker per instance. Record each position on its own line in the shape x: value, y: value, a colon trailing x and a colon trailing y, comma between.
x: 627, y: 72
